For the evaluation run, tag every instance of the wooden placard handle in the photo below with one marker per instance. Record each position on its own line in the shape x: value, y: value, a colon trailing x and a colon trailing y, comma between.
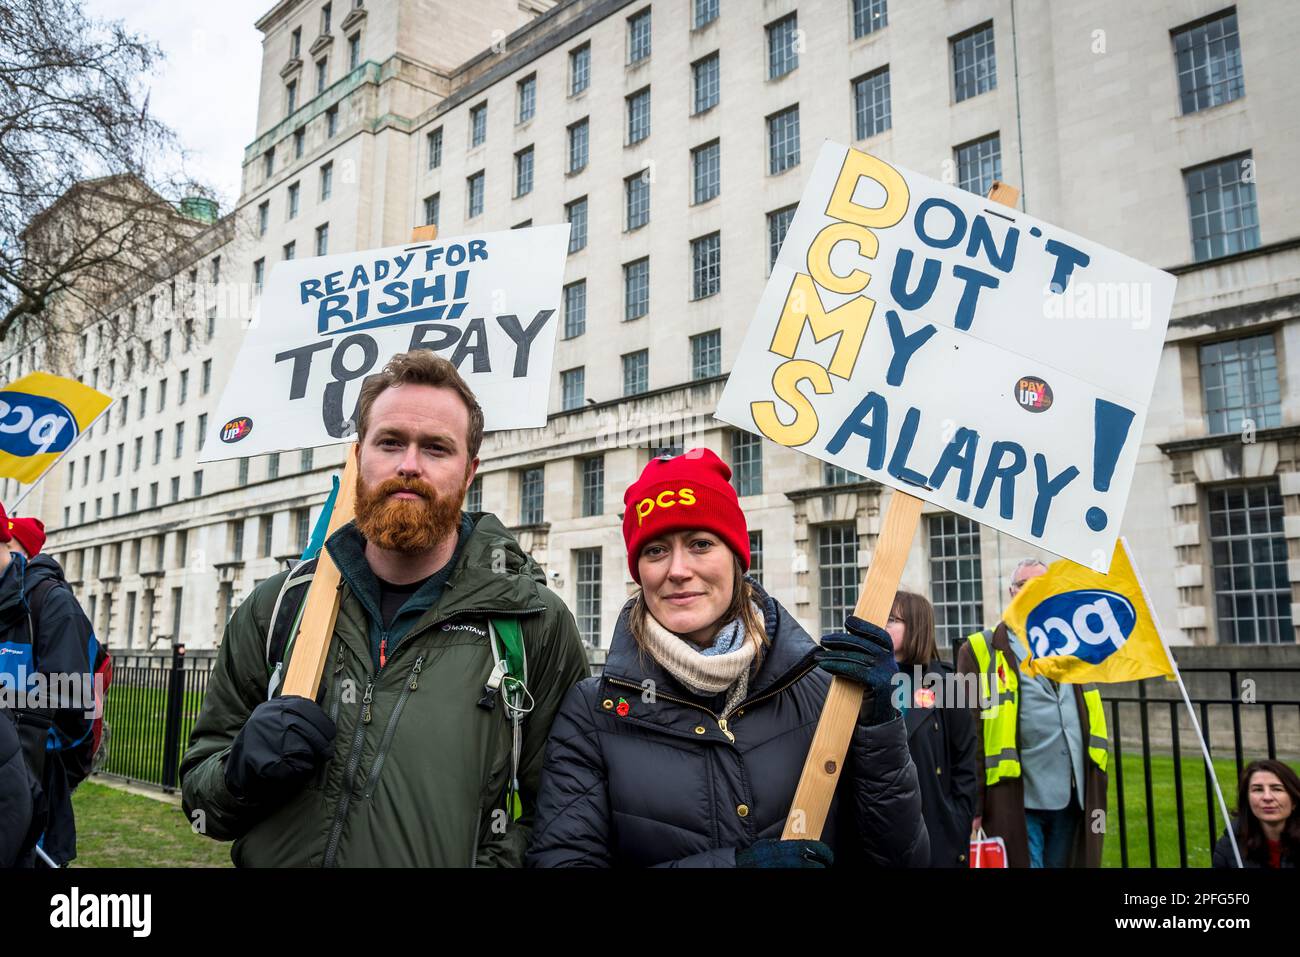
x: 312, y: 646
x: 830, y: 743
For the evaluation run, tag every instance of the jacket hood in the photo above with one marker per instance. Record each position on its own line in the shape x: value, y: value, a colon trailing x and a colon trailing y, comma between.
x: 22, y: 576
x: 789, y: 649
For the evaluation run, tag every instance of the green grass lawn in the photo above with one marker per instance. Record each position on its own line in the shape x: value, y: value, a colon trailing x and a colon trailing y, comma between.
x: 117, y: 829
x: 1196, y: 823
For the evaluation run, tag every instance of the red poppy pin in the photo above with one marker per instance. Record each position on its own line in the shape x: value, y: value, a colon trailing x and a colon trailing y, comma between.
x: 1002, y: 674
x: 623, y: 708
x: 924, y: 698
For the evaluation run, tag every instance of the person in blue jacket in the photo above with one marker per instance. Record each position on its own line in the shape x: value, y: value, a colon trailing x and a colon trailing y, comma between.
x: 687, y: 750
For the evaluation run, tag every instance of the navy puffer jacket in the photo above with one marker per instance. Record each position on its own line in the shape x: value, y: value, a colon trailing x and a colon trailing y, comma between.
x: 664, y: 784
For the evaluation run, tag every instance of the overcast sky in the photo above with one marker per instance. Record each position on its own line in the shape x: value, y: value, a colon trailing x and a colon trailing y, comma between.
x: 206, y: 88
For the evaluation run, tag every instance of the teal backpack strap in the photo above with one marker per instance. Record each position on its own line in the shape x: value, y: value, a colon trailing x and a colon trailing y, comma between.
x: 507, y: 639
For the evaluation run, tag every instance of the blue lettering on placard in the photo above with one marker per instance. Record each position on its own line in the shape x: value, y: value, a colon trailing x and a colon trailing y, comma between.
x: 34, y: 424
x: 1091, y: 624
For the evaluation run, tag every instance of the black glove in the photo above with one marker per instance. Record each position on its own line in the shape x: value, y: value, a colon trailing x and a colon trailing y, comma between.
x: 279, y: 748
x: 865, y: 654
x: 771, y: 852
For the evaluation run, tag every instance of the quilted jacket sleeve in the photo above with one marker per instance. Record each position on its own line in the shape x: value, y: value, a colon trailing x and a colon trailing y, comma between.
x: 885, y: 797
x: 572, y: 828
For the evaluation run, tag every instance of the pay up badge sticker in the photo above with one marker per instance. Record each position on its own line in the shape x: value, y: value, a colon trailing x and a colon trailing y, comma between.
x: 956, y: 349
x: 488, y: 303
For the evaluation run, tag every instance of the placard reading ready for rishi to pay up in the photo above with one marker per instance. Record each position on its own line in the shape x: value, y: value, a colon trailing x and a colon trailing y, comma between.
x: 489, y: 303
x: 956, y: 349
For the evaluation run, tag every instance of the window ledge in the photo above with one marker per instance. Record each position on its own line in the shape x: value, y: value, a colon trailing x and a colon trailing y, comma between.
x: 803, y: 494
x: 1228, y: 438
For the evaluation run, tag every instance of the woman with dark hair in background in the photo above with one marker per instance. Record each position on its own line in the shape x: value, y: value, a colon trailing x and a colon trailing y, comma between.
x: 1267, y: 825
x: 940, y: 733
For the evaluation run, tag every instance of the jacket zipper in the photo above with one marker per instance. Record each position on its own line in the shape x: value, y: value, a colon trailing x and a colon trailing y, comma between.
x: 349, y: 775
x: 722, y: 722
x: 412, y: 683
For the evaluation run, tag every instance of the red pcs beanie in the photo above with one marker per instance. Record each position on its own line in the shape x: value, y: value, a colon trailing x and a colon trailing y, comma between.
x: 4, y: 525
x: 27, y: 532
x: 691, y: 491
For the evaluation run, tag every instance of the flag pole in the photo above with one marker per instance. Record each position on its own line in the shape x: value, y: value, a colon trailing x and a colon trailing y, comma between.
x: 1191, y: 713
x: 13, y: 509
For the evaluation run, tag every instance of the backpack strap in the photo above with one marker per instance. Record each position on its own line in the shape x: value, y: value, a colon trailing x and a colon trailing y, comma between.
x: 286, y: 617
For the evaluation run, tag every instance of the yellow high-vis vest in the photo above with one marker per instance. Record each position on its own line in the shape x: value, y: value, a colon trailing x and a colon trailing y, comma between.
x: 999, y: 692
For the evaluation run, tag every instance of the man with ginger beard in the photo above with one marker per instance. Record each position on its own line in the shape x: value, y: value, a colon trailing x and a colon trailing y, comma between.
x: 405, y: 758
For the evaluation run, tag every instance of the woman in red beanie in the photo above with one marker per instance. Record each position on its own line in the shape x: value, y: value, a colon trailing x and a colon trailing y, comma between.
x: 687, y: 750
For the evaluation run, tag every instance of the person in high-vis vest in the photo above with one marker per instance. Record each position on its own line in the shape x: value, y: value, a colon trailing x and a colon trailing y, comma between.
x: 1042, y: 752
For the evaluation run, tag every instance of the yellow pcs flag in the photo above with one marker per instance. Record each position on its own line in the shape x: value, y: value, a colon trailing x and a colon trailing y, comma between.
x: 41, y: 415
x: 1079, y: 625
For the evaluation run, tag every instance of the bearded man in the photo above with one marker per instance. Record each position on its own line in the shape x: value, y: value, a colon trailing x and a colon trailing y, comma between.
x: 409, y: 756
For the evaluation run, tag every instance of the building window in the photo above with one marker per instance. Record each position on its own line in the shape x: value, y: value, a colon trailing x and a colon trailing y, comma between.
x: 293, y: 200
x: 706, y: 354
x: 579, y: 69
x: 782, y: 46
x: 180, y: 440
x: 157, y: 449
x: 290, y: 250
x: 834, y: 475
x: 474, y: 191
x: 636, y: 372
x: 325, y: 18
x: 573, y: 385
x: 268, y: 163
x: 176, y: 488
x: 326, y: 181
x: 322, y: 75
x: 979, y: 163
x: 706, y: 11
x: 331, y: 122
x: 243, y: 472
x: 706, y: 171
x: 354, y: 51
x: 523, y: 172
x: 746, y: 463
x: 478, y: 125
x: 302, y: 528
x: 306, y: 459
x: 267, y: 524
x: 837, y: 573
x: 1221, y: 202
x: 638, y: 116
x: 273, y: 465
x: 706, y: 80
x: 636, y: 289
x: 576, y: 214
x: 263, y: 217
x: 587, y: 582
x: 974, y: 67
x: 290, y: 97
x: 871, y: 110
x: 575, y: 309
x: 869, y: 16
x: 531, y: 490
x: 706, y: 266
x: 474, y: 495
x: 1208, y: 58
x: 756, y: 556
x: 299, y: 142
x: 527, y: 90
x: 295, y: 43
x: 201, y: 433
x: 1239, y: 383
x: 137, y: 451
x: 956, y: 579
x: 638, y: 36
x: 259, y: 274
x: 636, y: 190
x: 1252, y: 589
x: 778, y: 224
x: 198, y: 483
x: 579, y: 145
x: 783, y: 140
x: 432, y: 206
x: 322, y: 239
x: 433, y: 141
x: 593, y: 486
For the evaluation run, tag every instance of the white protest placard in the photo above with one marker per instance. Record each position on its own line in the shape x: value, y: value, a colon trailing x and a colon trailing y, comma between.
x: 958, y: 350
x: 489, y: 303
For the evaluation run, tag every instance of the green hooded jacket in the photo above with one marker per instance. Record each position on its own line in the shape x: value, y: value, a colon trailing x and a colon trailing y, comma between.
x: 422, y: 783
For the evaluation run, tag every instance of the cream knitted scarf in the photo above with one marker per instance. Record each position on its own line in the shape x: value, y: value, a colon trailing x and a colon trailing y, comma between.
x: 723, y: 665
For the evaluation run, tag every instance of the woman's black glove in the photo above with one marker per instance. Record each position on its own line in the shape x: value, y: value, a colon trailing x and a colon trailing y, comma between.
x: 280, y: 747
x: 865, y: 654
x: 771, y: 852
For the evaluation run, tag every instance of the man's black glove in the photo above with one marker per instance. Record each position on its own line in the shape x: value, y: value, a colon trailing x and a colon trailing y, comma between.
x: 865, y: 654
x: 279, y: 748
x: 771, y: 852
